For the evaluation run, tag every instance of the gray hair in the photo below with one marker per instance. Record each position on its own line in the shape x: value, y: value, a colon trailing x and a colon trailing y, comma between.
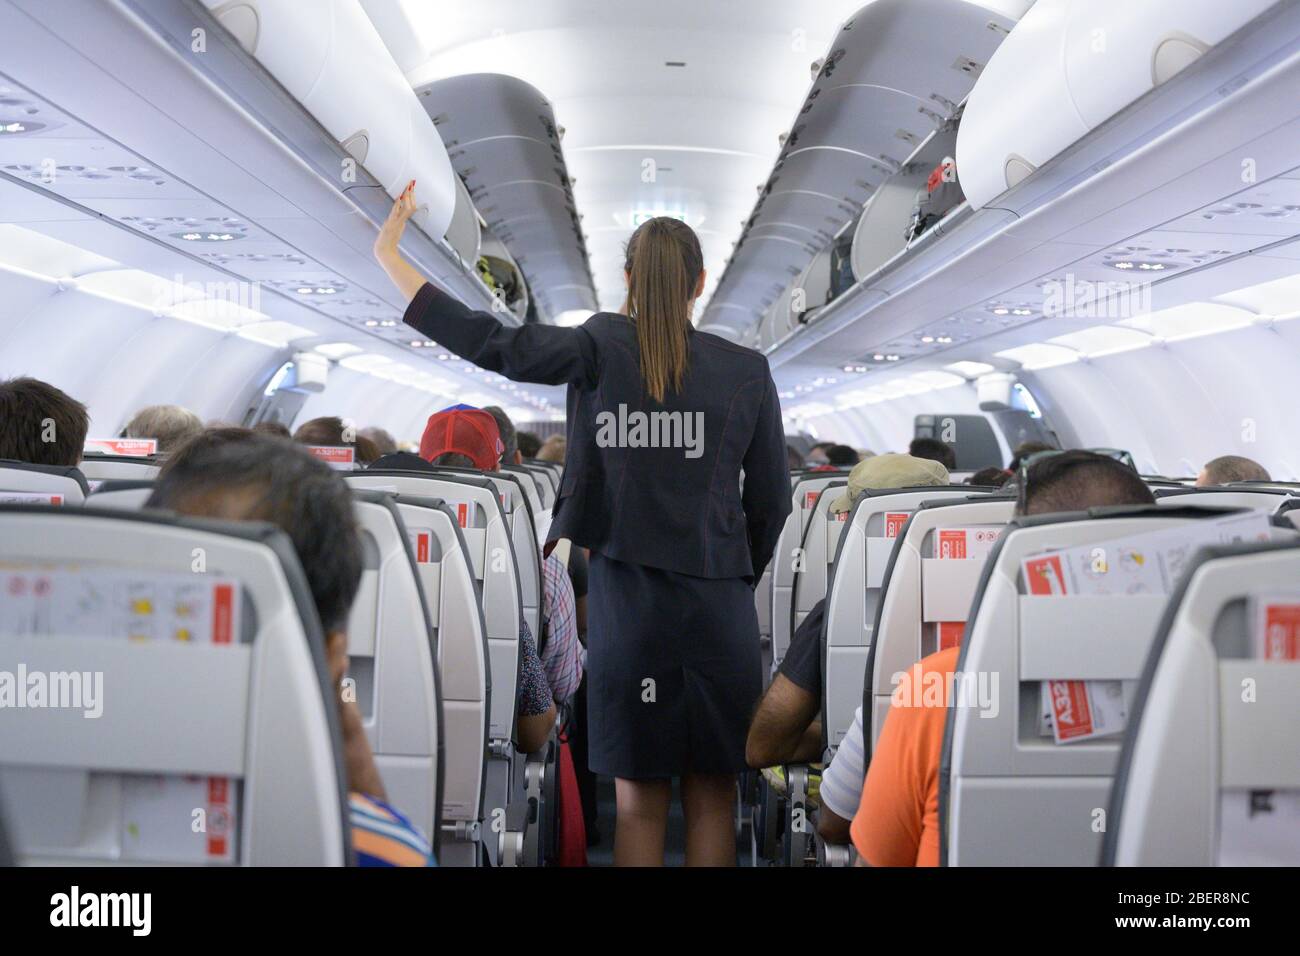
x: 171, y: 425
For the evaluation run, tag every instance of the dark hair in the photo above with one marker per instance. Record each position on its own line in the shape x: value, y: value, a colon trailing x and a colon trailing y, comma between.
x: 39, y: 424
x: 933, y: 450
x: 278, y: 429
x: 995, y: 477
x: 506, y: 429
x: 454, y: 459
x: 330, y: 430
x: 663, y: 263
x: 529, y: 444
x: 841, y: 455
x: 1228, y: 468
x: 1077, y: 480
x: 295, y: 491
x: 1024, y: 450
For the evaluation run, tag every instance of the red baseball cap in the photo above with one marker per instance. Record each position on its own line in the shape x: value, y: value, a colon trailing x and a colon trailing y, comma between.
x: 466, y: 430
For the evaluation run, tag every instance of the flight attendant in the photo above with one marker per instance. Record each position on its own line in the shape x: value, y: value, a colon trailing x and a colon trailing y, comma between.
x: 663, y: 421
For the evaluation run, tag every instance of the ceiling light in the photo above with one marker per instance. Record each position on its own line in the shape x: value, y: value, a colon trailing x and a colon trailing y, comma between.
x: 878, y: 357
x: 970, y: 369
x: 1022, y: 311
x: 336, y: 350
x: 1001, y: 310
x: 927, y: 339
x: 944, y: 340
x: 892, y: 358
x: 371, y: 323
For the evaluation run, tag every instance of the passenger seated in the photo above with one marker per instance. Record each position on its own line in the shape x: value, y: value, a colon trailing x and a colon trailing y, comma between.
x: 384, y: 443
x: 785, y: 727
x: 841, y: 456
x: 171, y: 425
x: 1229, y: 468
x: 552, y: 450
x: 332, y: 431
x: 40, y: 425
x: 240, y: 475
x: 992, y: 477
x: 563, y: 657
x: 817, y: 457
x: 934, y: 450
x: 467, y: 437
x: 529, y: 445
x: 897, y: 820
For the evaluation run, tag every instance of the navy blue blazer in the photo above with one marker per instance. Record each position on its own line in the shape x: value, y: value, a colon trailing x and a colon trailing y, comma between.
x: 645, y: 483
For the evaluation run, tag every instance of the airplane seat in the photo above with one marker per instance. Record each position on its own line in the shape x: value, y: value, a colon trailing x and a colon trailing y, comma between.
x: 477, y: 503
x: 1225, y: 496
x: 1054, y: 645
x: 790, y: 555
x: 1209, y: 769
x: 854, y: 592
x: 119, y: 467
x: 821, y: 539
x: 1288, y: 514
x: 21, y: 482
x: 927, y: 591
x: 392, y: 672
x: 446, y: 576
x: 215, y: 736
x: 129, y: 494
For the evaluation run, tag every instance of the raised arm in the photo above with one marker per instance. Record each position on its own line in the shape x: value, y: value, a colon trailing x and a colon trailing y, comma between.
x: 766, y: 495
x: 545, y: 354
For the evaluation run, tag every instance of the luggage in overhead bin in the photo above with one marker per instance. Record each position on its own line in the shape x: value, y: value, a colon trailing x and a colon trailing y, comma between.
x: 842, y: 262
x: 941, y: 193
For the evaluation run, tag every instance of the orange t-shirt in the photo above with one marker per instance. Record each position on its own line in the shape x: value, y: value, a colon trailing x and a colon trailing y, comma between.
x: 897, y: 823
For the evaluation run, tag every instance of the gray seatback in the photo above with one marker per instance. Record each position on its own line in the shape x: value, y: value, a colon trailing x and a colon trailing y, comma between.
x: 1209, y: 769
x: 21, y: 483
x: 213, y: 668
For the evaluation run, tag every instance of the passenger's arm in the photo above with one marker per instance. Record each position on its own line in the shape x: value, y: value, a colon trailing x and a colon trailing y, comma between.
x: 766, y: 495
x: 534, y: 708
x: 534, y: 730
x: 832, y: 827
x: 783, y: 728
x: 546, y: 354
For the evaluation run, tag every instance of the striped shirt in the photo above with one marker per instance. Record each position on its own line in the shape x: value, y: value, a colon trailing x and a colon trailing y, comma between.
x: 383, y: 837
x: 841, y: 790
x: 563, y: 656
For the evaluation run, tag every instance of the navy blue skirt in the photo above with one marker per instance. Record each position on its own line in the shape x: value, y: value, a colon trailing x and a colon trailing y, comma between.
x: 673, y: 671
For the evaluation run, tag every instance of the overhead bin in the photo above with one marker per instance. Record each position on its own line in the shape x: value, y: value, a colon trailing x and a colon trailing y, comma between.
x: 329, y: 57
x: 464, y: 234
x: 501, y: 137
x: 896, y: 72
x: 1069, y: 66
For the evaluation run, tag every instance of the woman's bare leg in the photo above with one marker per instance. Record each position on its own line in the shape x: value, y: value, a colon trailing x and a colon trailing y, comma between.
x: 709, y: 805
x: 642, y: 821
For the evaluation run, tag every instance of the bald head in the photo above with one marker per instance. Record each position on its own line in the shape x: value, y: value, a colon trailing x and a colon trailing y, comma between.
x: 1229, y: 468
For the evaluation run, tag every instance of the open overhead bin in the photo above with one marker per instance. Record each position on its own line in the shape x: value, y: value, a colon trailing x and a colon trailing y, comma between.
x: 897, y: 71
x: 1069, y: 66
x: 501, y: 136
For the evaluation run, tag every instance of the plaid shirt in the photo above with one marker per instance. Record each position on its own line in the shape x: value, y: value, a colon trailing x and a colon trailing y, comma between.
x: 564, y: 655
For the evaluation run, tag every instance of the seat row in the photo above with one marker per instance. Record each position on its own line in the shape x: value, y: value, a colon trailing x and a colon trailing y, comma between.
x: 217, y: 679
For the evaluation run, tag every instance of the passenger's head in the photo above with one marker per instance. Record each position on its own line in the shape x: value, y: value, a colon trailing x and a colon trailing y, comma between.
x: 276, y: 429
x: 384, y: 443
x: 469, y: 433
x: 529, y: 444
x: 1229, y: 468
x: 841, y: 456
x: 817, y: 453
x: 509, y: 437
x: 934, y: 450
x: 552, y: 449
x: 241, y: 475
x: 1025, y: 450
x: 665, y: 275
x: 332, y: 431
x: 171, y: 425
x: 39, y: 424
x: 889, y: 471
x: 994, y: 477
x: 1077, y: 480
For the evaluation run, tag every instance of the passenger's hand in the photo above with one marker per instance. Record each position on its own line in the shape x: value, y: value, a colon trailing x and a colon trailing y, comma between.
x: 391, y: 232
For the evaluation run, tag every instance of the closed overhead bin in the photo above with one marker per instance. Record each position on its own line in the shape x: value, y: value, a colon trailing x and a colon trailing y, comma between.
x: 1069, y: 66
